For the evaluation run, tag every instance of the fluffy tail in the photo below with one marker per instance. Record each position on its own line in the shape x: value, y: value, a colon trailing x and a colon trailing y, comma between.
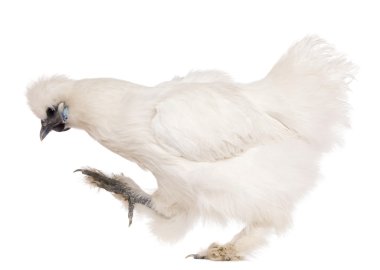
x: 306, y: 90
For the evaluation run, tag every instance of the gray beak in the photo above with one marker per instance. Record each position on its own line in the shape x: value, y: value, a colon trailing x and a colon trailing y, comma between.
x: 45, y: 129
x: 56, y: 120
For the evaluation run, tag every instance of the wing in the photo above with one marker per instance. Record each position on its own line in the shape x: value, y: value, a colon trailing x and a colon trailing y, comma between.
x: 212, y: 121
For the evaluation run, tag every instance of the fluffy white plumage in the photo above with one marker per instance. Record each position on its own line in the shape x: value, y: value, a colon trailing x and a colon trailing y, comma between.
x: 219, y: 150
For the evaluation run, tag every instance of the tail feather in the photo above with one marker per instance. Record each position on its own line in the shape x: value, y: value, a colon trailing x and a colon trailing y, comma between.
x: 307, y: 90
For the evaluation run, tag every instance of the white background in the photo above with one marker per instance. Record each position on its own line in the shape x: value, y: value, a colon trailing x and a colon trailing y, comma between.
x: 50, y: 219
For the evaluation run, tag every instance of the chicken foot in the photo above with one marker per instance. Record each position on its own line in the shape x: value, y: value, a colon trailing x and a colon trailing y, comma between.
x: 216, y: 252
x: 121, y: 186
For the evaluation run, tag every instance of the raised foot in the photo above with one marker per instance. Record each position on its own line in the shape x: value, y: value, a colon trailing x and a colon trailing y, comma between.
x: 217, y: 252
x: 118, y: 185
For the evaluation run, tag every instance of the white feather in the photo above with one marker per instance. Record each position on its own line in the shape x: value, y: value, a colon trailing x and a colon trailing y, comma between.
x: 212, y: 121
x: 218, y: 149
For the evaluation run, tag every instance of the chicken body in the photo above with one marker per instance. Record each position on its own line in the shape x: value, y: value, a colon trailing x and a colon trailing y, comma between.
x: 219, y: 150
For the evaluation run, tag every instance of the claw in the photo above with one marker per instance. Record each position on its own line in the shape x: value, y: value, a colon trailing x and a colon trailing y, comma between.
x: 131, y: 207
x: 131, y: 194
x: 195, y: 256
x: 113, y: 186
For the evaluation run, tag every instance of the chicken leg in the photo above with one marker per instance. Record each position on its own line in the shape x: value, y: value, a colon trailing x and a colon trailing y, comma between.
x: 123, y: 187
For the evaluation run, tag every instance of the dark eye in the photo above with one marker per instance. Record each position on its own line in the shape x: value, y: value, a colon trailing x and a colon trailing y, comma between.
x: 50, y: 112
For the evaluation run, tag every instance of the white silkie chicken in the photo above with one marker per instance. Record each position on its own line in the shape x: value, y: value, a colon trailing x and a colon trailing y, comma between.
x: 220, y: 150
